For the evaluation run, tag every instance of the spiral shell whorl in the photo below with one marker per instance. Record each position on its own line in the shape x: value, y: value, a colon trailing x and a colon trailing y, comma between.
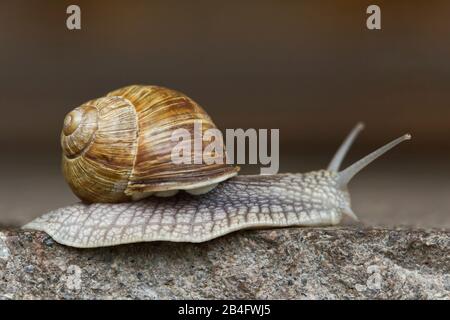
x: 100, y: 149
x: 79, y: 129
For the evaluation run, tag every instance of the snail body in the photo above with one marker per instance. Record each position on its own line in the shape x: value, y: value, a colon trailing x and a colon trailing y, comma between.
x: 216, y: 203
x: 246, y: 201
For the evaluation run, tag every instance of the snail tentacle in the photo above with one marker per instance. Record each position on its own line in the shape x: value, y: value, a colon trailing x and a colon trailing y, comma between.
x: 344, y: 148
x: 347, y: 174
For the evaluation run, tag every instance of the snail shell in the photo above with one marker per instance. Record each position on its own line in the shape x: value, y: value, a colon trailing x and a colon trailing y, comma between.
x: 118, y: 148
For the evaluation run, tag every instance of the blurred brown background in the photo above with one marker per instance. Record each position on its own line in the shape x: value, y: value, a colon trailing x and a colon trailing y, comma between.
x: 309, y: 68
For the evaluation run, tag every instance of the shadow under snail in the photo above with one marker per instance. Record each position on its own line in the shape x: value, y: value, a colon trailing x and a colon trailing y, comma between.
x: 116, y: 158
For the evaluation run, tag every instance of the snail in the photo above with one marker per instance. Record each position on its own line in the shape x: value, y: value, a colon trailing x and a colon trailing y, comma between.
x: 217, y: 202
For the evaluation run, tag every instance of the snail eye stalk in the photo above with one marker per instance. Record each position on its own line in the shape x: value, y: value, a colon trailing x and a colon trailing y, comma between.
x: 345, y: 146
x: 347, y: 174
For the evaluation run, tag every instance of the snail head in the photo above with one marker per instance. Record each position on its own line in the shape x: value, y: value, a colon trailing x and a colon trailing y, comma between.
x: 343, y: 177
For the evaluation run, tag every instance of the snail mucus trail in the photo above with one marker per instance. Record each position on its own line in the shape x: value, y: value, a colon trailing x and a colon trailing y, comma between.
x: 119, y: 205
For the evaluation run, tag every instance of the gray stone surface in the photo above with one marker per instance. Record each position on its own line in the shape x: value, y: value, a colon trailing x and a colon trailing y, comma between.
x: 293, y: 263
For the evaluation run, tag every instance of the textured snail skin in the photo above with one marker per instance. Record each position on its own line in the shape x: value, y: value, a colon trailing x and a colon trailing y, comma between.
x: 310, y: 199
